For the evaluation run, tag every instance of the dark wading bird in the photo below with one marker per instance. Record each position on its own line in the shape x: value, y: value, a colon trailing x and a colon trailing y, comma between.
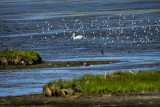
x: 102, y: 52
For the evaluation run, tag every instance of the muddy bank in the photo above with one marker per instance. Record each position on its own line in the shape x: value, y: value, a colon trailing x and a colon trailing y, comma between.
x: 111, y: 99
x: 53, y: 64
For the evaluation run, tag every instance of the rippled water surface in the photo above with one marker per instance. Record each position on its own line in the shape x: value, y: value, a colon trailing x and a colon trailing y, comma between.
x: 126, y: 30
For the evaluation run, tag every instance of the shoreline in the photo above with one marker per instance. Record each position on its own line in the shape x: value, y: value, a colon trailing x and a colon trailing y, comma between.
x: 54, y: 64
x: 97, y: 100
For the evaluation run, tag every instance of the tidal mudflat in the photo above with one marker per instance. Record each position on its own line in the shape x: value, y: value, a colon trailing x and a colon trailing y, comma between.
x: 105, y: 100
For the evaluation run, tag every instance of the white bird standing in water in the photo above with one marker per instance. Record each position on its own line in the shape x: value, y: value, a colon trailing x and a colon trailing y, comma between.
x: 77, y: 37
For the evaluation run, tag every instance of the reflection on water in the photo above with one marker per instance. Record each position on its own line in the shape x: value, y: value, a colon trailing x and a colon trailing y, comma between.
x: 126, y: 30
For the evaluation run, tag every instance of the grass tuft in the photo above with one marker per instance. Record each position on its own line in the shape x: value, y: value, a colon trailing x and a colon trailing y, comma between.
x: 18, y: 57
x: 118, y: 81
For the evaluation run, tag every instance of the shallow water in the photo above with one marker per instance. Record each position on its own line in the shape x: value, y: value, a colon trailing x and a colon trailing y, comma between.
x: 126, y: 30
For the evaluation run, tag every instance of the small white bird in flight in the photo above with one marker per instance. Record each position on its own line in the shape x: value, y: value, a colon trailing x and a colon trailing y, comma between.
x: 77, y: 37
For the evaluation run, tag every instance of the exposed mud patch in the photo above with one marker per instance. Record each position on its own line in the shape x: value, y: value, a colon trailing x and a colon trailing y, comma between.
x: 102, y: 100
x: 53, y: 64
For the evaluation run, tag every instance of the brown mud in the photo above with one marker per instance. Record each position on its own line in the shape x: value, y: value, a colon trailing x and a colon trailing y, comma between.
x: 53, y: 64
x: 79, y: 100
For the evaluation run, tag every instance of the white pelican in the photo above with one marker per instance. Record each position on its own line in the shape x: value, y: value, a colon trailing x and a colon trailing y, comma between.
x: 77, y: 37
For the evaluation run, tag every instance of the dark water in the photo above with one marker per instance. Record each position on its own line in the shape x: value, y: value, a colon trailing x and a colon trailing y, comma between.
x: 126, y: 30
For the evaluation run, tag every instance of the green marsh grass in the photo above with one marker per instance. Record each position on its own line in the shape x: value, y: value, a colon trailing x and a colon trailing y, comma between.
x: 118, y: 81
x: 16, y: 57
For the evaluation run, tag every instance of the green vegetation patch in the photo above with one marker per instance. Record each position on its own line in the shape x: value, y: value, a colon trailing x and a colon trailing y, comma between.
x: 118, y: 81
x: 19, y: 57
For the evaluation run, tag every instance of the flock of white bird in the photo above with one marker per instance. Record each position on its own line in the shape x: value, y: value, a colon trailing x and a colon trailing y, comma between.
x: 115, y: 29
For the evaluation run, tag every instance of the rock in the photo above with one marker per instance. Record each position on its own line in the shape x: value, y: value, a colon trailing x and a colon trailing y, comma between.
x: 30, y: 62
x: 47, y: 92
x: 70, y: 92
x: 4, y: 61
x: 16, y: 61
x: 56, y: 93
x: 63, y: 92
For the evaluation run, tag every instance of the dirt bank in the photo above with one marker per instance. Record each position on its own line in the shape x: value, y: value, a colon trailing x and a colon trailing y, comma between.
x: 102, y: 100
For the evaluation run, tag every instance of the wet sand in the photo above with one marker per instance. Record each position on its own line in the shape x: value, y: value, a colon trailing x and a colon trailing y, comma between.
x: 79, y: 100
x: 53, y: 64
